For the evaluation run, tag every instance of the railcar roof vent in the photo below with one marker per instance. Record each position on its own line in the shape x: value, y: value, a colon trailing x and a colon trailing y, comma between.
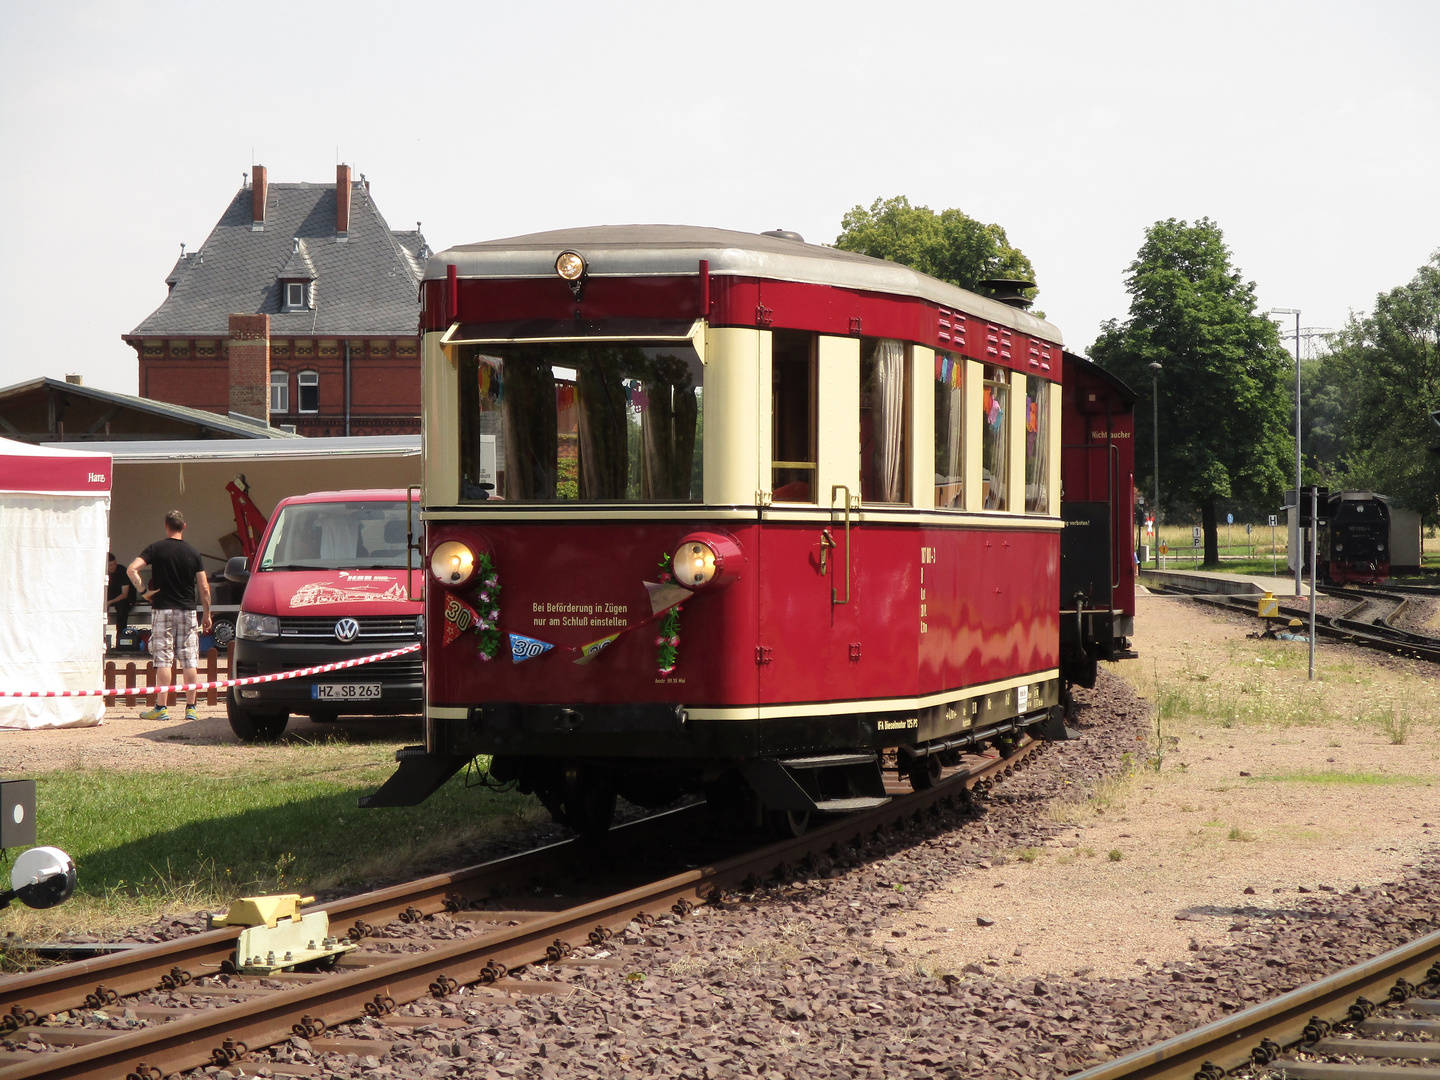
x: 1009, y: 291
x: 784, y: 234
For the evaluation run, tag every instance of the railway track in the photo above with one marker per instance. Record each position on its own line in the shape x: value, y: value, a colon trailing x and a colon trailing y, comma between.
x: 495, y: 918
x: 1367, y: 623
x: 1363, y: 1023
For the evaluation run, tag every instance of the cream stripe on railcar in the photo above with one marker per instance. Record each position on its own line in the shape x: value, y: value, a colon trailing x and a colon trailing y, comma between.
x: 921, y: 426
x: 439, y: 425
x: 973, y: 395
x: 737, y: 414
x: 824, y: 708
x: 837, y: 408
x: 1056, y: 402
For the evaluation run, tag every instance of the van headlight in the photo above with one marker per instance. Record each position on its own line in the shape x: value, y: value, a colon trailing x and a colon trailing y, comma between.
x: 250, y: 627
x: 452, y: 563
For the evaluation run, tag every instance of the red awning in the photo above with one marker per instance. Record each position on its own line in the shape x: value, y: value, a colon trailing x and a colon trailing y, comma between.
x: 43, y: 470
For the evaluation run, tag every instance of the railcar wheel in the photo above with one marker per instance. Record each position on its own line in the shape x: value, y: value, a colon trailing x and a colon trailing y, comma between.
x: 252, y: 726
x: 787, y: 824
x: 924, y: 772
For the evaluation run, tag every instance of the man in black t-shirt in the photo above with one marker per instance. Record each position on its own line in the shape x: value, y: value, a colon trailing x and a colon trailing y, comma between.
x: 176, y: 577
x: 119, y: 594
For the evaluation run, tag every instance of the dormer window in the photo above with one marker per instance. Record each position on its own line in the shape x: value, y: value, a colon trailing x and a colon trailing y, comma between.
x: 296, y: 279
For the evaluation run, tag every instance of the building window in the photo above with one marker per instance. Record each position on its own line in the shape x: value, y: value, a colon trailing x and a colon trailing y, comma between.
x: 295, y: 294
x: 279, y: 391
x: 309, y: 382
x: 792, y: 416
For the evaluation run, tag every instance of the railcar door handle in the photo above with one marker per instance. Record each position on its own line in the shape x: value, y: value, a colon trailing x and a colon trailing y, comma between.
x: 827, y: 541
x: 834, y: 592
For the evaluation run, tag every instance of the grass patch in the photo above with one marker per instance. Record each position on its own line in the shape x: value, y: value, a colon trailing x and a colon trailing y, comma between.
x: 1029, y: 854
x: 1116, y: 855
x: 144, y: 843
x: 1336, y: 777
x: 1393, y: 723
x: 1240, y: 835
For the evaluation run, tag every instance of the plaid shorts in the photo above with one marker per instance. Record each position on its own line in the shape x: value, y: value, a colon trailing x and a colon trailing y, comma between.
x: 175, y: 636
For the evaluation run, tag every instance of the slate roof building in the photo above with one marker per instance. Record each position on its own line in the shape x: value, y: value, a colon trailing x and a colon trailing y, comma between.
x: 301, y: 308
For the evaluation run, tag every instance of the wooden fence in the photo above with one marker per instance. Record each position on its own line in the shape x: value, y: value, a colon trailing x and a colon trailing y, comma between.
x: 141, y: 677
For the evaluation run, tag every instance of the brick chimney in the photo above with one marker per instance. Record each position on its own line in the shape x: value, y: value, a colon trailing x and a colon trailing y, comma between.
x: 259, y: 189
x: 342, y: 199
x: 250, y: 366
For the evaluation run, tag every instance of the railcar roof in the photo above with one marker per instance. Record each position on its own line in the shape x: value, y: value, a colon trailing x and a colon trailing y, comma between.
x: 656, y: 250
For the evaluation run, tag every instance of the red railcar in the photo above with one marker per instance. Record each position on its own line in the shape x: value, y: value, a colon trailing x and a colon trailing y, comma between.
x: 717, y: 511
x: 1097, y: 501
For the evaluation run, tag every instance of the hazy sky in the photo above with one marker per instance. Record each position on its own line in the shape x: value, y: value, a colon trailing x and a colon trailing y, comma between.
x: 1307, y: 131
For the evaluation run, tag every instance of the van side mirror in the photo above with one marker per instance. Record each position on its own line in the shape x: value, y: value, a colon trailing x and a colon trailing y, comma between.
x: 236, y: 571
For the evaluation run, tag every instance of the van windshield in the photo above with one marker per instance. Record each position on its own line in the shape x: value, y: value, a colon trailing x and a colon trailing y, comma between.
x: 339, y: 536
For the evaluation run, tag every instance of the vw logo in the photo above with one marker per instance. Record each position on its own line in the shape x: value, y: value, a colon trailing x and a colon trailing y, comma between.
x: 347, y: 629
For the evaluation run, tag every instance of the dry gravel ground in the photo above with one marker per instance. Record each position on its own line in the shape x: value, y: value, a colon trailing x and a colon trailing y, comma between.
x: 1264, y: 781
x: 123, y: 741
x: 1224, y: 889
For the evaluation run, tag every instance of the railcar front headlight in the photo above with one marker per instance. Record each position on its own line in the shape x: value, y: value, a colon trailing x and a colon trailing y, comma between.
x: 694, y: 564
x: 452, y: 563
x: 707, y: 560
x: 252, y: 627
x: 570, y: 265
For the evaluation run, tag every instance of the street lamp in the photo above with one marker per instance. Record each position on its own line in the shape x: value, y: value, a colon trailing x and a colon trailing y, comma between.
x: 1155, y: 370
x: 1299, y: 556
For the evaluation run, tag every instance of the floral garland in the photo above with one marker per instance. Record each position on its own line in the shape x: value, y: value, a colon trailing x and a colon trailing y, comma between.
x: 487, y: 608
x: 669, y: 640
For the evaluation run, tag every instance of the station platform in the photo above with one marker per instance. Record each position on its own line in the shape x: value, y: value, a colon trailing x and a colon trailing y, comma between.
x: 1220, y: 583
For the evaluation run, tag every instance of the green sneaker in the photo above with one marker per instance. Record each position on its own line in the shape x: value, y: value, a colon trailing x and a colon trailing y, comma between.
x: 190, y: 713
x: 160, y: 712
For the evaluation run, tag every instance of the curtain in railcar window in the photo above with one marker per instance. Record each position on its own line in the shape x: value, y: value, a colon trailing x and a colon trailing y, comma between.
x: 792, y: 416
x: 604, y: 420
x: 995, y: 440
x: 578, y: 421
x: 949, y: 431
x: 1037, y: 445
x: 882, y: 420
x: 668, y: 404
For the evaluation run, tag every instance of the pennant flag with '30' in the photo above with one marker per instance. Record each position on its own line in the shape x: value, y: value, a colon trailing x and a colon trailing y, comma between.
x: 459, y: 617
x: 591, y: 651
x: 524, y: 648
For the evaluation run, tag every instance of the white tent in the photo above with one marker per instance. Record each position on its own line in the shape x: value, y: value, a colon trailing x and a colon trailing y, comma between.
x: 54, y: 532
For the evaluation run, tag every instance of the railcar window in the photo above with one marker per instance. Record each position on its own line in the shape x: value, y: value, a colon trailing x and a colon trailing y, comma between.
x: 1037, y: 445
x: 883, y: 412
x: 792, y: 416
x: 572, y: 421
x: 995, y: 440
x: 949, y: 431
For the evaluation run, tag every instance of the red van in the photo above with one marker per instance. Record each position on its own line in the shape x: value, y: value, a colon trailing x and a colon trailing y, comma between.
x: 328, y: 583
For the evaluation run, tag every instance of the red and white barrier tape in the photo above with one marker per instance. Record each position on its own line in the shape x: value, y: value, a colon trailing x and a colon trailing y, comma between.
x: 217, y: 684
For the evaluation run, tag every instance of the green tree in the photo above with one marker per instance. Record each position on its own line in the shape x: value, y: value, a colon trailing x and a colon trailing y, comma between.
x: 1224, y: 414
x: 1384, y: 370
x: 950, y: 245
